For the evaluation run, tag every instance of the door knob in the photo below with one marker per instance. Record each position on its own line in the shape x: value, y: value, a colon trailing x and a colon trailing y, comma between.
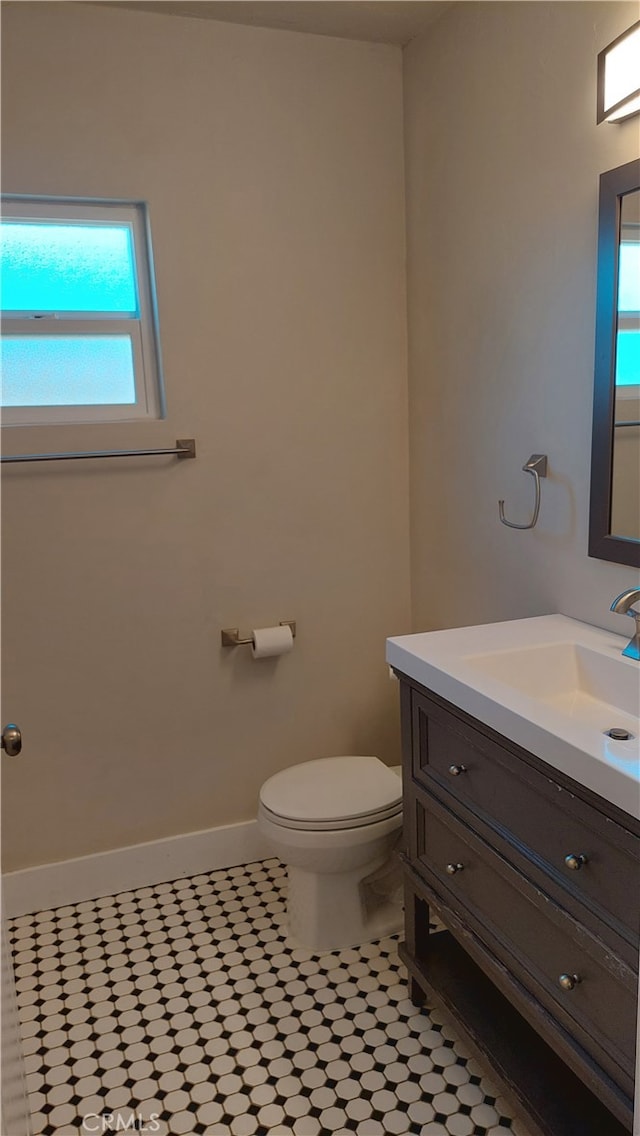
x: 11, y: 739
x: 575, y: 862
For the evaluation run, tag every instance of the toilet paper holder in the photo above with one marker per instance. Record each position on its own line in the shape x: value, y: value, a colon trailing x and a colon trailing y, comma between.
x: 230, y: 636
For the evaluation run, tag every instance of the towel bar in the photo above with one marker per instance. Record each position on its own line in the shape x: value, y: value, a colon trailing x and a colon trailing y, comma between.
x: 184, y: 448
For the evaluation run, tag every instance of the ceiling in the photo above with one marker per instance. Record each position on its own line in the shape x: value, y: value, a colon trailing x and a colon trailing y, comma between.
x: 381, y: 21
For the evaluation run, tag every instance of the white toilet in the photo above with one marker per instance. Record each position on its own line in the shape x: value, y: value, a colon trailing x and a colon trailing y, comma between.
x: 335, y: 823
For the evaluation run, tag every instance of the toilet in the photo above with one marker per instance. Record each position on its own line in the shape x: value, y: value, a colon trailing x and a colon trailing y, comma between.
x: 335, y: 823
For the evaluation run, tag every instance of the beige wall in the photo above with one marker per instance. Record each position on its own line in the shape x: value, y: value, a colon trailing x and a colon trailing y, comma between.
x: 503, y: 157
x: 272, y: 163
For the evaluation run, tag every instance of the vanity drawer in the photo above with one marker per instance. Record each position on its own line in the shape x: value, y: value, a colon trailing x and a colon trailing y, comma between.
x: 536, y: 940
x: 531, y: 810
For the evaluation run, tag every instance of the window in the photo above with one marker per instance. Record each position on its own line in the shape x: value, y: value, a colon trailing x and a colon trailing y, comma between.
x: 628, y: 337
x: 79, y: 337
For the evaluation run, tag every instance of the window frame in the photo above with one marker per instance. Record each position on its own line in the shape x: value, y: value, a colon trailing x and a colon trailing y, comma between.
x: 141, y: 327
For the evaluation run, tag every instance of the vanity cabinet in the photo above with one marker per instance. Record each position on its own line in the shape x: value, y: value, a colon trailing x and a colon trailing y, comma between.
x: 535, y: 882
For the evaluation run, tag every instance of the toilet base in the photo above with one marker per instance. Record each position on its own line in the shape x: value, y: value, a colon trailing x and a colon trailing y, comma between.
x: 339, y: 910
x: 344, y: 884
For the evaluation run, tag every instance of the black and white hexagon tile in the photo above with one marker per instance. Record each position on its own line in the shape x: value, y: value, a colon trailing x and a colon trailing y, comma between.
x: 180, y: 1009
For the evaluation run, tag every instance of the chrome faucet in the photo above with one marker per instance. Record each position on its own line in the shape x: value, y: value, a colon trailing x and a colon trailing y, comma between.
x: 622, y: 605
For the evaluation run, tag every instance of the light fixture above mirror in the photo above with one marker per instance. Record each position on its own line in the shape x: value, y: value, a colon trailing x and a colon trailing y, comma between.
x: 619, y: 77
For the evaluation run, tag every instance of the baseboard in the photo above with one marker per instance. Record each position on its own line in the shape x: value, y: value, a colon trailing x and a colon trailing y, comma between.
x: 140, y: 865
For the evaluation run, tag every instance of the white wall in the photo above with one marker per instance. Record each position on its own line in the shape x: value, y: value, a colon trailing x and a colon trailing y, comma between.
x: 273, y: 167
x: 503, y: 156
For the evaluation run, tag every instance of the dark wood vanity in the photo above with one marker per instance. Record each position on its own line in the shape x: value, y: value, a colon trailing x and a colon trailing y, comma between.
x: 537, y: 883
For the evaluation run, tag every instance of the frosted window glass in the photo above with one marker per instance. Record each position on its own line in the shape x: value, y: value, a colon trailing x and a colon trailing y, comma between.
x: 629, y: 277
x: 49, y: 267
x: 63, y: 371
x: 628, y: 358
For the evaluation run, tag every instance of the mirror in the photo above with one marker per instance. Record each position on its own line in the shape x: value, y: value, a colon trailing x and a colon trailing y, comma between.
x: 614, y: 522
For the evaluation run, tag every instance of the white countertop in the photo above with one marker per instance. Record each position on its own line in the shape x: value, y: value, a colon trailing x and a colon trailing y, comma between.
x: 551, y: 684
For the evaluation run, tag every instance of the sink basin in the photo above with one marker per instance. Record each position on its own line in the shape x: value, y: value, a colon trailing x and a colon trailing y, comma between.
x: 554, y: 685
x: 576, y: 680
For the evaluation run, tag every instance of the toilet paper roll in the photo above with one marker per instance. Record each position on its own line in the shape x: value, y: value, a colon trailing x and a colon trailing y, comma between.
x: 270, y: 641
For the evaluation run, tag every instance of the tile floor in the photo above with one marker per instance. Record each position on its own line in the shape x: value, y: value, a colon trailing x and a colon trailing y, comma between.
x: 180, y: 1009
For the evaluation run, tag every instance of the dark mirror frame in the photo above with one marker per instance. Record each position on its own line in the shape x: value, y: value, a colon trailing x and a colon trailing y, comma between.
x: 614, y: 184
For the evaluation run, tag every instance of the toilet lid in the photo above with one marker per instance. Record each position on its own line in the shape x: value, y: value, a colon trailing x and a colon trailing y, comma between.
x: 333, y: 789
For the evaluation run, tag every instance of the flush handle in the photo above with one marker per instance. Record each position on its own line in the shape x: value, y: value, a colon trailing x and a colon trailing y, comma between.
x: 11, y: 740
x: 575, y: 862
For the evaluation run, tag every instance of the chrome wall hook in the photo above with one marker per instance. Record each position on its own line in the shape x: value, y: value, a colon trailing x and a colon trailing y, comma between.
x: 537, y: 466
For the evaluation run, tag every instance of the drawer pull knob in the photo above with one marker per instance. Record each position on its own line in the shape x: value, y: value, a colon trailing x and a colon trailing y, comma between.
x: 453, y: 868
x: 568, y: 981
x: 575, y: 862
x: 456, y: 770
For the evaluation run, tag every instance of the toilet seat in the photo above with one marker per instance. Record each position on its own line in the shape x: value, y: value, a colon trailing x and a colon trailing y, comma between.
x: 332, y: 793
x: 332, y: 825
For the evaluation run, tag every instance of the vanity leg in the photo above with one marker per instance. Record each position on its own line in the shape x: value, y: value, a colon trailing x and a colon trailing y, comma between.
x: 416, y: 914
x: 416, y: 993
